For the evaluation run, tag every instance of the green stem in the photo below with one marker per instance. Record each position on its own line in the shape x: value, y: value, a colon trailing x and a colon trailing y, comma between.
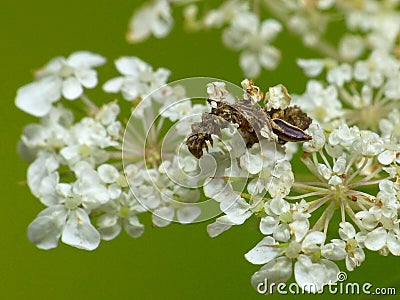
x: 357, y: 171
x: 306, y: 195
x: 89, y: 103
x: 352, y: 215
x: 330, y: 211
x: 314, y: 205
x: 302, y: 186
x: 360, y: 183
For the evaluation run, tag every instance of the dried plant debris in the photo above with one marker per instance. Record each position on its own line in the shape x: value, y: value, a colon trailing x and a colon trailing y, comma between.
x: 254, y: 123
x: 289, y: 124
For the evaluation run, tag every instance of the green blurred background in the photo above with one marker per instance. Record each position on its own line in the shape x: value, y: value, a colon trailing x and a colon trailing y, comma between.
x: 177, y: 262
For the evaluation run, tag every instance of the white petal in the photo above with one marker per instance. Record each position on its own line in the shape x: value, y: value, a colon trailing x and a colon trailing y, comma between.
x: 249, y: 64
x: 85, y: 59
x: 340, y: 165
x: 346, y: 231
x: 138, y: 26
x: 256, y: 186
x: 331, y: 270
x: 133, y: 227
x: 87, y: 77
x: 92, y: 191
x: 312, y: 241
x: 132, y: 88
x: 269, y: 29
x: 314, y: 237
x: 335, y: 180
x: 282, y: 233
x: 355, y: 259
x: 263, y: 252
x: 276, y: 271
x: 161, y: 75
x: 35, y: 175
x: 334, y: 250
x: 107, y: 114
x: 221, y: 191
x: 163, y: 216
x: 325, y: 4
x: 376, y: 239
x: 132, y: 66
x: 38, y: 170
x: 350, y: 46
x: 220, y: 225
x: 309, y: 276
x: 238, y: 212
x: 114, y: 191
x: 113, y: 85
x: 311, y: 67
x: 51, y: 68
x: 269, y: 57
x: 268, y: 224
x: 65, y: 189
x: 386, y: 157
x: 251, y: 163
x: 108, y: 227
x: 70, y: 154
x: 47, y: 190
x: 71, y: 88
x: 350, y: 263
x: 278, y: 206
x: 79, y: 232
x: 45, y: 230
x: 108, y: 173
x: 36, y: 98
x: 299, y: 229
x: 188, y: 214
x: 324, y: 171
x: 393, y: 243
x: 161, y: 28
x: 43, y: 233
x: 318, y: 138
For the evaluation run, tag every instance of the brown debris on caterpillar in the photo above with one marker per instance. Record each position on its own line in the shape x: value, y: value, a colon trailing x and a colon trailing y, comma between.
x: 250, y: 118
x: 289, y: 124
x: 254, y: 123
x: 293, y: 115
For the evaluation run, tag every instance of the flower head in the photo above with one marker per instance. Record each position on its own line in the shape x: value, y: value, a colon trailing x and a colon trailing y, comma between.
x: 151, y: 19
x: 247, y: 33
x: 60, y: 77
x: 138, y: 78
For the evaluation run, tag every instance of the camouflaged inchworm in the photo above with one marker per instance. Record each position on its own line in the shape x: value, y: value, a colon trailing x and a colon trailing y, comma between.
x: 254, y: 124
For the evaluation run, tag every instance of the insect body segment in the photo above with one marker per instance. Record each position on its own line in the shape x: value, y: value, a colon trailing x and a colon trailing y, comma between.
x: 202, y: 131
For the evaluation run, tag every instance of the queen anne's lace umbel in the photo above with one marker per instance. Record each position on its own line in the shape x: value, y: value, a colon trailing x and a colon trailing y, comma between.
x: 318, y: 202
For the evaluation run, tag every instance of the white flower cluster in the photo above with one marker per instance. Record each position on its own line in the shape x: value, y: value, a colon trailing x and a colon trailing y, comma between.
x: 138, y: 78
x: 151, y: 19
x: 361, y: 93
x: 75, y: 165
x: 370, y: 24
x: 70, y: 173
x: 343, y: 160
x: 61, y: 77
x: 352, y: 162
x: 243, y: 30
